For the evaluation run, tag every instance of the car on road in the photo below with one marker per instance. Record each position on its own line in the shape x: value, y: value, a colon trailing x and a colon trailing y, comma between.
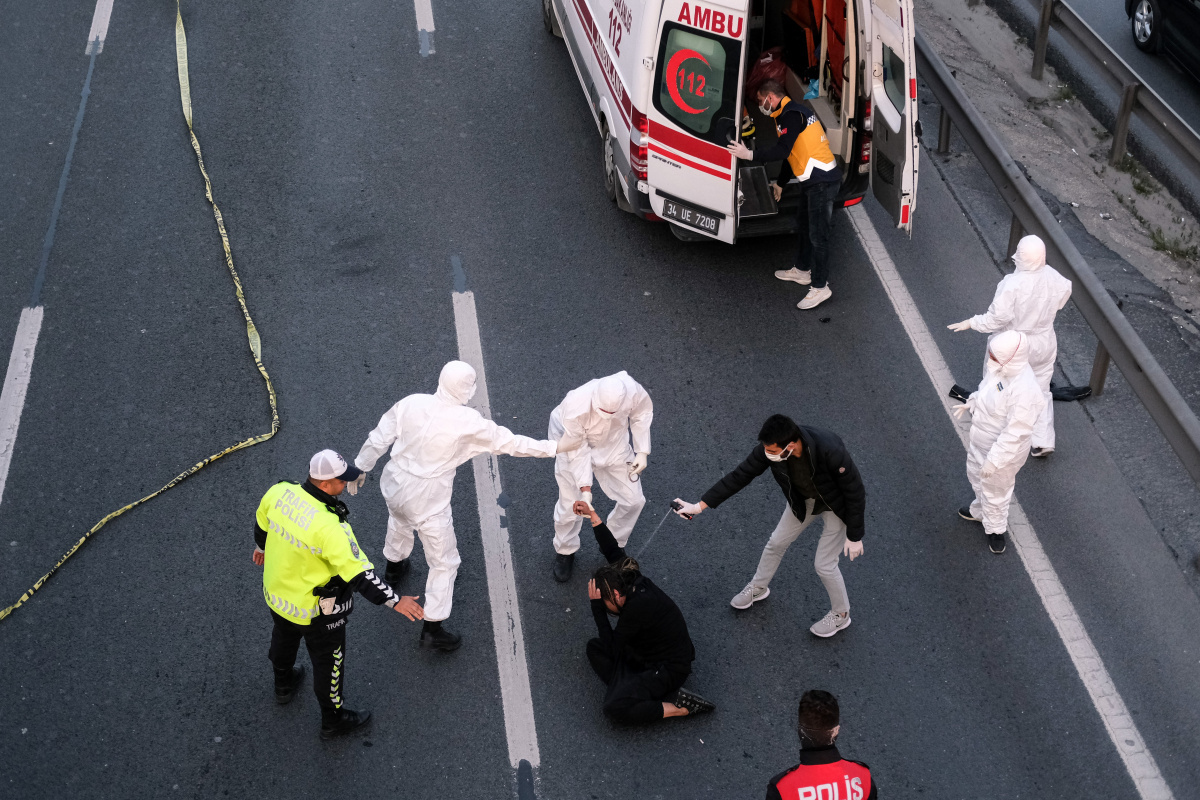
x: 665, y: 81
x: 1171, y: 27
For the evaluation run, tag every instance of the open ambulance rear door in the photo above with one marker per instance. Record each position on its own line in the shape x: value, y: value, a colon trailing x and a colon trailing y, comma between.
x: 695, y: 108
x: 894, y: 142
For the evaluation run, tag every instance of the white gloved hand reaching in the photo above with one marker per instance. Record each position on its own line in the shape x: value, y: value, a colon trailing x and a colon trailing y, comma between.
x: 690, y: 509
x: 740, y: 150
x: 961, y: 410
x: 638, y: 465
x: 987, y: 470
x: 356, y: 484
x: 586, y: 495
x: 959, y: 327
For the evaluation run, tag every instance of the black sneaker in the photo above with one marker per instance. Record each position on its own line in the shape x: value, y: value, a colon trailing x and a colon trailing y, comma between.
x: 287, y: 684
x: 342, y: 722
x: 439, y: 638
x: 1040, y: 452
x: 996, y: 542
x: 395, y: 572
x: 694, y: 703
x: 562, y: 567
x: 965, y: 513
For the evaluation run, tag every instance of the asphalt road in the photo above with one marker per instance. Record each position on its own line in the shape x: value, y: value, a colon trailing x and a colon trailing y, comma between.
x: 350, y: 170
x: 1176, y: 87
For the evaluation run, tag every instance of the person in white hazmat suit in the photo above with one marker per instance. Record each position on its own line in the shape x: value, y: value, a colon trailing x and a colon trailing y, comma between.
x: 430, y: 435
x: 1027, y: 301
x: 595, y: 422
x: 1004, y: 410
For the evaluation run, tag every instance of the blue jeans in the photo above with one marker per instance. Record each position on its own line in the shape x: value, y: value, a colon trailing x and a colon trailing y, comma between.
x: 814, y: 222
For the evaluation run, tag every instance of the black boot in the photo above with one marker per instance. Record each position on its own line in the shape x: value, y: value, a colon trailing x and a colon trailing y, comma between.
x: 340, y: 721
x: 395, y: 572
x: 435, y: 636
x: 286, y: 683
x: 562, y: 567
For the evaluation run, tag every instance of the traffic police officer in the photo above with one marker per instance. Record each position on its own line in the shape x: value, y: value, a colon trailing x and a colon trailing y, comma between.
x: 822, y: 772
x: 312, y: 565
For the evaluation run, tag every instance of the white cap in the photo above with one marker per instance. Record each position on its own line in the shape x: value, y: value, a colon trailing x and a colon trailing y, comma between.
x: 328, y: 465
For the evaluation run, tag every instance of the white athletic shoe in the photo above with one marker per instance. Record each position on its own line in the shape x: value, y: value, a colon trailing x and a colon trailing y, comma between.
x: 830, y: 624
x: 800, y: 276
x: 814, y: 298
x: 749, y: 596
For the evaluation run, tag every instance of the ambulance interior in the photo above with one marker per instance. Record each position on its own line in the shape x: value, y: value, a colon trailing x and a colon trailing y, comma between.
x: 817, y: 41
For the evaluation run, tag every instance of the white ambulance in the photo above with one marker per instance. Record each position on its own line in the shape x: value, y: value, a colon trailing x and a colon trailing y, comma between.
x: 665, y: 82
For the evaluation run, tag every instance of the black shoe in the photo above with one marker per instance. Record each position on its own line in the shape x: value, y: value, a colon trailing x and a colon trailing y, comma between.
x: 694, y: 703
x: 959, y: 393
x: 996, y: 542
x: 435, y: 636
x: 342, y: 721
x: 562, y: 567
x: 395, y: 572
x: 1040, y: 452
x: 287, y: 683
x: 965, y: 513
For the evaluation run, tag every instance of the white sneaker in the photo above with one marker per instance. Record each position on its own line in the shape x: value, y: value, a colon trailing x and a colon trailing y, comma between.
x: 814, y: 298
x: 830, y: 624
x: 748, y: 597
x: 800, y: 276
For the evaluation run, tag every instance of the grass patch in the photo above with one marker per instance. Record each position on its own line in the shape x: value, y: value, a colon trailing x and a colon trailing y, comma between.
x: 1179, y: 248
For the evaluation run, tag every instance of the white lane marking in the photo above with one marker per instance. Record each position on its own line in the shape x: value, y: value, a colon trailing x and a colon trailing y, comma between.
x: 99, y: 29
x: 424, y: 9
x: 16, y: 383
x: 515, y: 694
x: 1139, y: 762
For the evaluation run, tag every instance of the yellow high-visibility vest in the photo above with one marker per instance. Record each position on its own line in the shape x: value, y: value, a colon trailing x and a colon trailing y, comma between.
x: 811, y: 150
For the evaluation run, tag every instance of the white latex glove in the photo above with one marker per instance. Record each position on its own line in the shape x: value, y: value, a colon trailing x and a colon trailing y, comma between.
x: 959, y: 327
x: 852, y: 549
x: 639, y: 464
x: 740, y: 150
x: 353, y: 486
x: 961, y: 410
x: 987, y: 470
x: 586, y: 497
x: 687, y: 508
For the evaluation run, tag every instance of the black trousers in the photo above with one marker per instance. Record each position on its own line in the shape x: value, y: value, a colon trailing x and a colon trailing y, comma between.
x: 635, y: 692
x: 325, y: 638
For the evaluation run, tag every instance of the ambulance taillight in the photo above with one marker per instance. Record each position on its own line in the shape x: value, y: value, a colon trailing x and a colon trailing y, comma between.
x: 639, y: 133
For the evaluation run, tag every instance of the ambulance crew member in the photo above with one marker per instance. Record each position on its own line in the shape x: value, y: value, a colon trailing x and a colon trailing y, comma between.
x: 647, y: 657
x: 1027, y: 301
x: 1004, y: 411
x: 818, y: 477
x: 430, y: 435
x: 597, y: 421
x: 804, y: 145
x: 312, y: 565
x: 822, y: 772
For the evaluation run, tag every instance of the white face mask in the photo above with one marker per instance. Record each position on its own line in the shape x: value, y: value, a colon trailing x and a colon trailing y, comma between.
x: 780, y: 456
x: 765, y: 108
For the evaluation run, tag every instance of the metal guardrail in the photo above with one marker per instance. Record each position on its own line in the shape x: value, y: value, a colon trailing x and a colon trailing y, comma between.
x: 1136, y: 98
x: 1117, y: 338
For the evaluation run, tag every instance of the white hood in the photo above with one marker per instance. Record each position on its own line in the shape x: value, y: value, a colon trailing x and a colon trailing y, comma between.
x: 1030, y: 255
x: 1009, y: 353
x: 456, y: 384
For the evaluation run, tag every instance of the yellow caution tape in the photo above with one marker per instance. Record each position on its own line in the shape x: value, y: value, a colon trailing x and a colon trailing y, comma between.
x: 251, y: 331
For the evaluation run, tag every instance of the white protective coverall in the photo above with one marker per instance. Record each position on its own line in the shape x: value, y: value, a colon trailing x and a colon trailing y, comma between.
x: 604, y: 453
x: 1027, y: 301
x: 1003, y: 412
x: 430, y: 435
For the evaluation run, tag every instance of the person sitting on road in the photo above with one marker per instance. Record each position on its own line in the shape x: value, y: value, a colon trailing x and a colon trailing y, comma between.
x: 647, y: 657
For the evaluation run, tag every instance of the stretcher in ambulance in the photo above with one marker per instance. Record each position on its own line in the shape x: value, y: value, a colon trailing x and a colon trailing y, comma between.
x: 666, y: 84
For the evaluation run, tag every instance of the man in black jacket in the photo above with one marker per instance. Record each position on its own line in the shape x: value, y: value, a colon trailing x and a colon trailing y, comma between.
x: 646, y: 658
x: 818, y: 477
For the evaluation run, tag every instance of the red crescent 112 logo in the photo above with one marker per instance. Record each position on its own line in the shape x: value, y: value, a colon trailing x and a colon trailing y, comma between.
x: 681, y: 80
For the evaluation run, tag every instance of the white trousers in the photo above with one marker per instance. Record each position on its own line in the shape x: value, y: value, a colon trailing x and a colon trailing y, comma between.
x: 615, y: 483
x: 994, y: 495
x: 829, y: 550
x: 441, y: 554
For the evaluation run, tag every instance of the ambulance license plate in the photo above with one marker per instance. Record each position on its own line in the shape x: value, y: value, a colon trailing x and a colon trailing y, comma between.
x: 691, y: 216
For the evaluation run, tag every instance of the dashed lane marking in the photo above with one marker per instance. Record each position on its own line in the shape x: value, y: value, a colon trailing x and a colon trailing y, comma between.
x: 1140, y: 764
x: 515, y: 694
x: 424, y: 9
x: 16, y: 382
x: 99, y: 31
